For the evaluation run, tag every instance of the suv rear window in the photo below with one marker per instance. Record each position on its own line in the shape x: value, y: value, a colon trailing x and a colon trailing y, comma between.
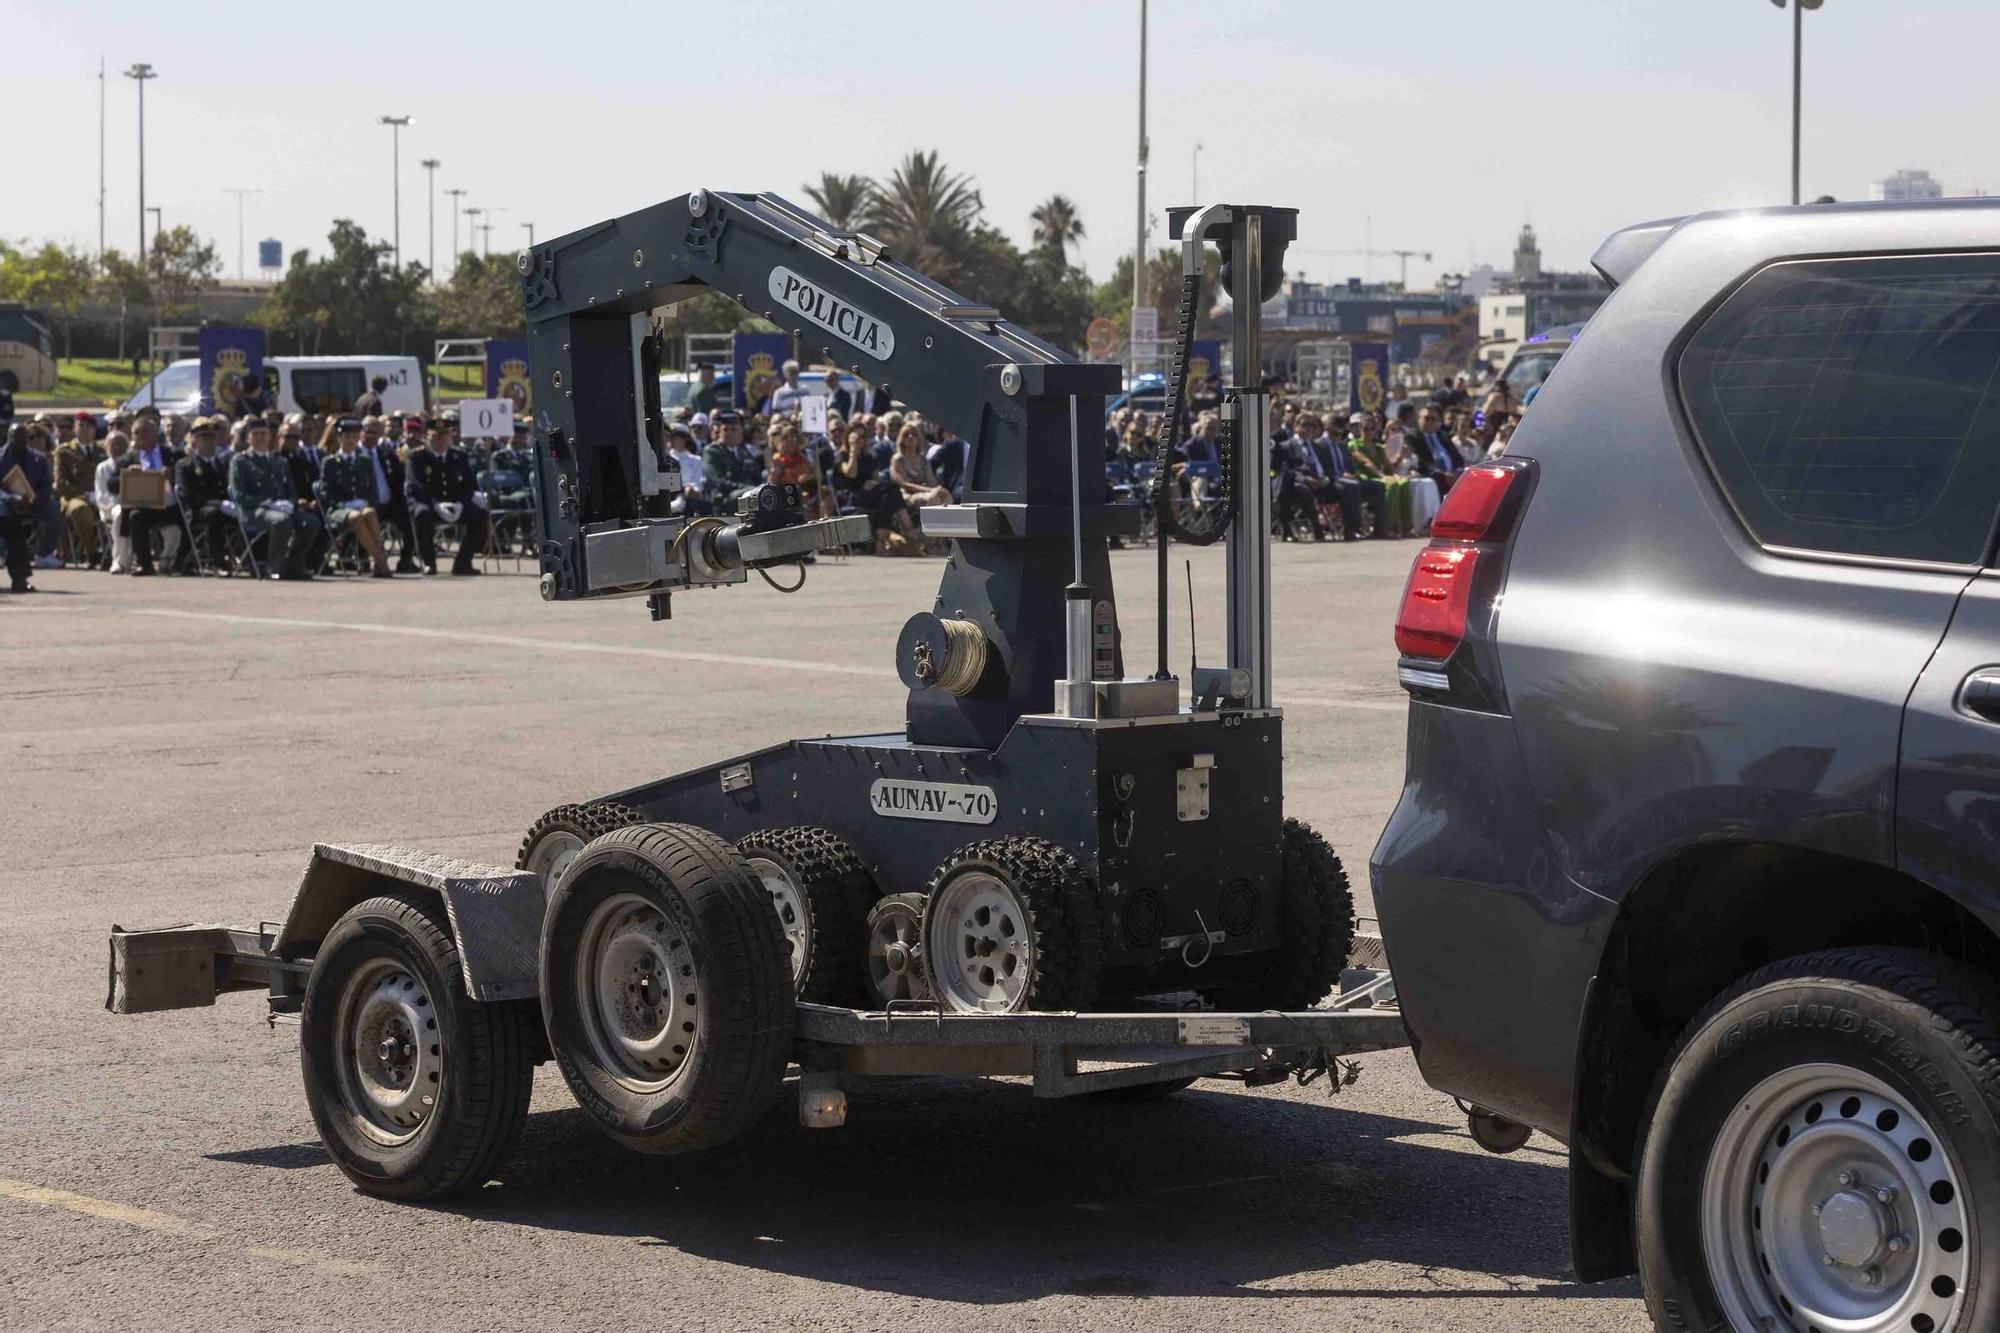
x: 1846, y: 405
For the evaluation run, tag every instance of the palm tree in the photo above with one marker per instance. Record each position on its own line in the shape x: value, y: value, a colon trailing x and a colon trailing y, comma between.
x: 924, y: 212
x: 1056, y: 225
x: 841, y: 200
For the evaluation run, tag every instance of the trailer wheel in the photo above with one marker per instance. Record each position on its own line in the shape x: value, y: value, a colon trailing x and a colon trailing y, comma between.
x: 1317, y: 915
x: 1009, y: 925
x: 666, y: 988
x: 896, y: 951
x: 554, y: 840
x: 417, y: 1089
x: 1823, y: 1149
x: 822, y: 893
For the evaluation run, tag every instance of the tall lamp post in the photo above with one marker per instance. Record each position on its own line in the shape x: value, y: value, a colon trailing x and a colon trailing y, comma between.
x: 1139, y: 246
x: 141, y: 73
x: 239, y: 193
x: 1799, y: 8
x: 456, y: 195
x: 396, y: 125
x: 1194, y: 177
x: 430, y: 166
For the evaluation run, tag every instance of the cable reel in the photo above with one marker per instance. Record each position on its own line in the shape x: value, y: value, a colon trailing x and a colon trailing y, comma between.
x: 934, y: 653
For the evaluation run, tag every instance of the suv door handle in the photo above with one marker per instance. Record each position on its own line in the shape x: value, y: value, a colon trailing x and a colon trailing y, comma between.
x: 1981, y: 694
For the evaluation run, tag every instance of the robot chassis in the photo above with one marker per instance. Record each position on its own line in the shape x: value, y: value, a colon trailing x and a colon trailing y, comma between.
x: 1047, y: 833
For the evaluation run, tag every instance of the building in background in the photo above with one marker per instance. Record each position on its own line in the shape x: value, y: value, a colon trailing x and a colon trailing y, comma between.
x: 1908, y: 183
x: 1530, y: 299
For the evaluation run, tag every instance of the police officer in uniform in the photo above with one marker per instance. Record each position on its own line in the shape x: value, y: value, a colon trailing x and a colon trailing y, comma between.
x: 441, y: 487
x: 263, y: 490
x: 202, y: 479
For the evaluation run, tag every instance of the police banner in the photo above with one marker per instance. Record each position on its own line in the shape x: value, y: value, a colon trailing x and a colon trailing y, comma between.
x: 756, y: 358
x: 1368, y: 377
x: 507, y: 373
x: 1204, y: 359
x: 231, y: 361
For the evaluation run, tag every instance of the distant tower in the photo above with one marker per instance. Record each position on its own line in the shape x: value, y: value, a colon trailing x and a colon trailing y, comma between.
x: 1527, y: 256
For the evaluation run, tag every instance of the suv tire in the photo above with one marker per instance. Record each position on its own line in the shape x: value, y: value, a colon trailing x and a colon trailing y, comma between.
x: 1824, y: 1149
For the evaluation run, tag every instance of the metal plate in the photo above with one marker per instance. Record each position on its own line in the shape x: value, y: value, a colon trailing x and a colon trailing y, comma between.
x: 1214, y: 1030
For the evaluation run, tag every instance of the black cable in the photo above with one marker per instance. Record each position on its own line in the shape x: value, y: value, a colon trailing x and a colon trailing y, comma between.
x: 1217, y: 516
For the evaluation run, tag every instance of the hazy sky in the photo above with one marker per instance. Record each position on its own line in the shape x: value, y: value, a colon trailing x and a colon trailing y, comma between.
x: 1421, y: 124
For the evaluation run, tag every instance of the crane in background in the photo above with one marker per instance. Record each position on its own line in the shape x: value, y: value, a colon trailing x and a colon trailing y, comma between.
x: 1402, y: 256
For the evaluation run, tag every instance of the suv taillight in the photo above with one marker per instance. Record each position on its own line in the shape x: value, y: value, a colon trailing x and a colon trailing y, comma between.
x: 1437, y: 601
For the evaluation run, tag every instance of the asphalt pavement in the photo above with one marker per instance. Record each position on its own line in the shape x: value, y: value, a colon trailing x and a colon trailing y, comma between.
x: 171, y: 748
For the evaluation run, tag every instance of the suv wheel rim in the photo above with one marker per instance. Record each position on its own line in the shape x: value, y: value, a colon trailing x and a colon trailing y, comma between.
x: 553, y: 854
x: 1828, y: 1202
x: 638, y: 993
x: 390, y: 1063
x: 981, y: 950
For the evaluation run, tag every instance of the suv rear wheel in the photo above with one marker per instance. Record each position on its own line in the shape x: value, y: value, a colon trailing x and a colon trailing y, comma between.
x: 1824, y: 1152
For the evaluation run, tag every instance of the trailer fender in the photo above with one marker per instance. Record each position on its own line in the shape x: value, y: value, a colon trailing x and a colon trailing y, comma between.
x: 495, y: 912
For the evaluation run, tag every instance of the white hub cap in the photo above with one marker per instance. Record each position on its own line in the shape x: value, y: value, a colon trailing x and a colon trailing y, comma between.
x: 793, y: 918
x: 553, y: 854
x: 1828, y: 1204
x: 981, y: 944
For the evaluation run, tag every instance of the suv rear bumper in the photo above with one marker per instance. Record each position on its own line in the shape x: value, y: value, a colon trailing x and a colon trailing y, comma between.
x: 1492, y: 946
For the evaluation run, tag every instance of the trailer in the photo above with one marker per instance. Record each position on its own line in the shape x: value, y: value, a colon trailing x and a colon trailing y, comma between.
x: 492, y: 916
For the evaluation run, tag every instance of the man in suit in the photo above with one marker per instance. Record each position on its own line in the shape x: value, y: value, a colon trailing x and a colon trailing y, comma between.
x: 303, y: 456
x: 202, y: 481
x: 390, y: 505
x: 1437, y: 457
x: 19, y: 513
x: 264, y: 491
x: 151, y: 452
x: 1327, y: 460
x: 838, y: 399
x: 949, y: 458
x: 440, y: 487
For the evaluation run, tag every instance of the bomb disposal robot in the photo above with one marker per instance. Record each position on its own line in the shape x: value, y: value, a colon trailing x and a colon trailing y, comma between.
x: 984, y: 892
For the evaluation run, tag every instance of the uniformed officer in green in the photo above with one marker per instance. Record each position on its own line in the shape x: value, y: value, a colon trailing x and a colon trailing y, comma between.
x: 266, y: 496
x: 76, y: 461
x: 347, y: 491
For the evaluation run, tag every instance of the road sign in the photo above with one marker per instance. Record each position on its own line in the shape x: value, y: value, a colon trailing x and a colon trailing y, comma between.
x: 1102, y: 338
x: 1145, y: 324
x: 486, y: 418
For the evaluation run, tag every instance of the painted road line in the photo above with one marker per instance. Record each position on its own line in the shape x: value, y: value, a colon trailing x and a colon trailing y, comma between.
x: 658, y: 654
x: 525, y: 641
x: 166, y: 1224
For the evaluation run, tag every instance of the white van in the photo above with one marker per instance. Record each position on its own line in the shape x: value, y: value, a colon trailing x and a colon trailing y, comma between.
x: 300, y: 384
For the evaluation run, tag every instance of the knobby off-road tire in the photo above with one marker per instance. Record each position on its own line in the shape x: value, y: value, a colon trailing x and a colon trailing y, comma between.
x: 1316, y: 910
x: 1012, y: 924
x: 666, y: 988
x: 554, y: 840
x: 1836, y: 1117
x: 821, y: 893
x: 417, y: 1089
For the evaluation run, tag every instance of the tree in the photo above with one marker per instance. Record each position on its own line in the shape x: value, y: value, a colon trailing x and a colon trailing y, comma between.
x: 353, y: 300
x: 482, y: 300
x: 926, y: 214
x: 841, y: 200
x: 1056, y: 226
x: 181, y: 266
x: 55, y: 279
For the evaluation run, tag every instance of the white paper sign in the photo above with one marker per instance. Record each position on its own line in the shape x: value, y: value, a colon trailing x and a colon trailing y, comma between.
x: 812, y: 414
x: 486, y: 418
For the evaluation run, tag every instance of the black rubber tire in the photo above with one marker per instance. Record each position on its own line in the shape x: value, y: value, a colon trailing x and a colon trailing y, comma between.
x: 743, y: 1037
x: 585, y: 822
x: 838, y: 892
x: 1927, y: 1027
x: 1317, y: 912
x: 1063, y: 918
x: 488, y: 1073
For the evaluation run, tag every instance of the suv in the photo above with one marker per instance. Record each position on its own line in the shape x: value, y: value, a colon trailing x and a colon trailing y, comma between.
x: 1697, y: 862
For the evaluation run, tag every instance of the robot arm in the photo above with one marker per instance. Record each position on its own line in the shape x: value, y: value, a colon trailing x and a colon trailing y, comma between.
x: 603, y: 481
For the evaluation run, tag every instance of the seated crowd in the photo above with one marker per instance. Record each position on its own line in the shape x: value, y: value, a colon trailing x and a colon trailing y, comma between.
x: 281, y: 496
x: 297, y: 490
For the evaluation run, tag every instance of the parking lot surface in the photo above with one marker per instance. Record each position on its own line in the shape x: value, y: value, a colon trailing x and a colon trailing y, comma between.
x: 172, y: 748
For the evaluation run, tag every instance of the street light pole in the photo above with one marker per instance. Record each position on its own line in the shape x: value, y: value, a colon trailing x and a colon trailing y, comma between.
x: 431, y: 165
x: 396, y: 124
x: 239, y: 193
x: 456, y: 195
x: 1799, y: 8
x: 1194, y: 181
x: 1139, y: 245
x: 141, y: 73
